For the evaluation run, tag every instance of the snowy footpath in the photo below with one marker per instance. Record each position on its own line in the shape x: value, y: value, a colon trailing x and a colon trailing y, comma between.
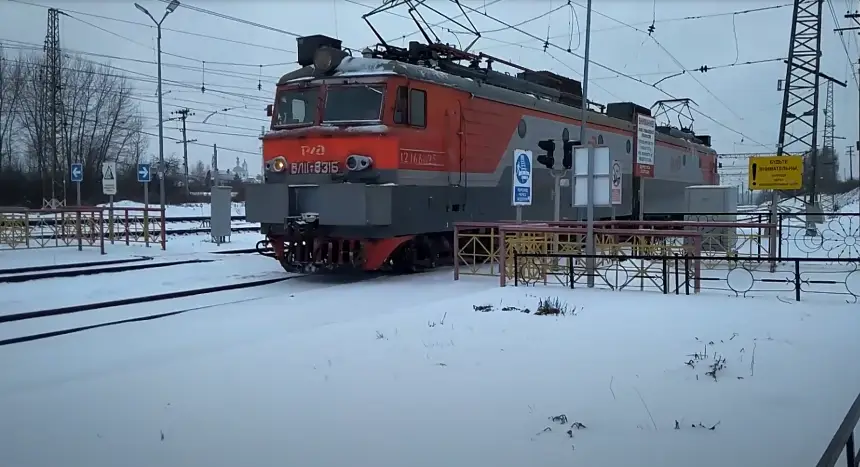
x: 422, y: 371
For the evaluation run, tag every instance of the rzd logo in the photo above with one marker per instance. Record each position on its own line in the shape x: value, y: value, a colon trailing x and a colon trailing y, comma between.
x: 317, y: 150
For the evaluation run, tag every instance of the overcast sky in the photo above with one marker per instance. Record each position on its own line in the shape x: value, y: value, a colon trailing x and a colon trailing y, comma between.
x: 742, y: 101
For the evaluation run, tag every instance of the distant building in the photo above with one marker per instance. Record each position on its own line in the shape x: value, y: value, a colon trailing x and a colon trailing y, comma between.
x: 240, y: 170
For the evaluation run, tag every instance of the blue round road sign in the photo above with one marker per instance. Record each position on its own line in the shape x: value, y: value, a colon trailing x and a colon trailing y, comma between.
x: 523, y: 168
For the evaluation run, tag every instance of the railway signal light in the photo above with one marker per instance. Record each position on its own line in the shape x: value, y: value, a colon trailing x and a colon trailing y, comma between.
x: 547, y: 159
x: 567, y: 154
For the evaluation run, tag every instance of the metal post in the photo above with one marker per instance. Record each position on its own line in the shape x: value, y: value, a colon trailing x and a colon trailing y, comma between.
x: 171, y: 7
x: 78, y: 190
x: 773, y: 238
x: 589, y: 236
x: 519, y: 214
x: 145, y: 213
x: 110, y: 219
x: 641, y: 199
x: 161, y: 169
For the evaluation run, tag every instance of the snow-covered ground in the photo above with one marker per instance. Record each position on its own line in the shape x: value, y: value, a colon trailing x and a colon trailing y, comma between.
x: 415, y: 370
x: 405, y: 371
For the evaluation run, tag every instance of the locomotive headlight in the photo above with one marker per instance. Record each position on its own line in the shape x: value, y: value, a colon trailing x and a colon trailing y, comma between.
x: 357, y: 163
x: 278, y: 164
x: 326, y: 59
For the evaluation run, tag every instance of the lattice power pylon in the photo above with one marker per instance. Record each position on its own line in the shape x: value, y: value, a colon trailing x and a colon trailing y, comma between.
x: 798, y: 127
x: 829, y: 125
x: 53, y: 115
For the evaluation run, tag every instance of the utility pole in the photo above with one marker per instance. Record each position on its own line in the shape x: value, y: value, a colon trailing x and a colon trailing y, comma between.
x: 171, y: 7
x: 214, y: 165
x: 850, y: 150
x: 183, y: 115
x: 589, y: 211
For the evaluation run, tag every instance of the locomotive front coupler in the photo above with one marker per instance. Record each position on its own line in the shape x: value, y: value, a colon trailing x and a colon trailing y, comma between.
x: 300, y: 226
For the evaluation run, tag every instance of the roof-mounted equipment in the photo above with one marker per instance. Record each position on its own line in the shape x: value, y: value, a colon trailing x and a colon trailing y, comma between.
x: 323, y: 52
x: 626, y: 110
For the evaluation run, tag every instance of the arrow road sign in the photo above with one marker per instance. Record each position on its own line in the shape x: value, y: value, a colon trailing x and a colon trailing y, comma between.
x: 77, y: 173
x: 144, y: 174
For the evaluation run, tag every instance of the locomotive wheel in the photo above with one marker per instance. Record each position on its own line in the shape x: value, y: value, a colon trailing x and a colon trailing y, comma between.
x: 420, y: 254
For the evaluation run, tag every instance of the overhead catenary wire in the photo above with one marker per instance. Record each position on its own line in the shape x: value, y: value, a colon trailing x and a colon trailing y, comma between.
x: 147, y: 78
x: 671, y: 56
x: 150, y: 26
x: 612, y: 70
x: 216, y: 71
x: 503, y: 43
x: 844, y: 45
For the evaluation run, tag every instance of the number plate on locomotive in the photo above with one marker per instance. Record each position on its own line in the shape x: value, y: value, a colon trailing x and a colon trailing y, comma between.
x: 314, y: 168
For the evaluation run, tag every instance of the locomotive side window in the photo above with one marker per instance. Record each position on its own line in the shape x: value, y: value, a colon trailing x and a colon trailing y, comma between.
x: 417, y: 108
x: 401, y: 107
x: 411, y: 107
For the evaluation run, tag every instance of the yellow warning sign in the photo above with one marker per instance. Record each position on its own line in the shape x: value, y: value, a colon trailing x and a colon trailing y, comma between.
x: 776, y: 173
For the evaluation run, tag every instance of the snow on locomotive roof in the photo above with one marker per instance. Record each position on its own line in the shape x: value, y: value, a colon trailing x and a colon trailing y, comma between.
x: 328, y: 128
x: 362, y: 66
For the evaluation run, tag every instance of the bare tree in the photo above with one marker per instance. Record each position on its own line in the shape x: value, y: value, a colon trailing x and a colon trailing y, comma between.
x: 97, y: 120
x: 11, y: 83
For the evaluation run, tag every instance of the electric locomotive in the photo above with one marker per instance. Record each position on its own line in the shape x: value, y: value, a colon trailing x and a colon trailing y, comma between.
x: 371, y: 159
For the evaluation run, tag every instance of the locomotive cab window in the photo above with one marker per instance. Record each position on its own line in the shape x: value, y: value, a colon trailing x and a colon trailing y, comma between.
x: 353, y: 103
x: 296, y: 107
x: 411, y: 107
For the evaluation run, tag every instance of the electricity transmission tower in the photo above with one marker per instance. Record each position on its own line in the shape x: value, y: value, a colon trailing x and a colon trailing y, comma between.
x: 798, y: 126
x: 52, y: 115
x: 829, y: 125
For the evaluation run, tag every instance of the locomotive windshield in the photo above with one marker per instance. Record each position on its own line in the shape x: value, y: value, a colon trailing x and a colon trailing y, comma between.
x: 354, y: 103
x: 296, y: 107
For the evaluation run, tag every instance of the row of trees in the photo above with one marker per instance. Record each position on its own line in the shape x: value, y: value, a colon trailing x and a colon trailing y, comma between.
x: 97, y: 120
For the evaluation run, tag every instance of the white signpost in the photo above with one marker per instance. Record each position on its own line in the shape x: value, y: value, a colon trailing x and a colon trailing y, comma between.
x: 646, y: 129
x: 600, y: 194
x: 109, y: 178
x: 522, y: 192
x: 616, y: 183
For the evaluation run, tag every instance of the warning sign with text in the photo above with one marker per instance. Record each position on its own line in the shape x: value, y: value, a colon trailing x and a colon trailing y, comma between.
x: 776, y: 173
x: 646, y: 127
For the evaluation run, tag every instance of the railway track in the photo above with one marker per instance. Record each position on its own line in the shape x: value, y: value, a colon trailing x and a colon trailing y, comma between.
x: 92, y: 269
x: 30, y: 315
x: 154, y: 234
x: 54, y: 267
x: 202, y: 220
x: 321, y: 281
